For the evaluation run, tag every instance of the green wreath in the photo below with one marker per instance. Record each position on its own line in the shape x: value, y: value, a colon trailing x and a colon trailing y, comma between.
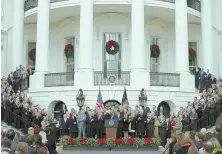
x: 32, y: 54
x: 69, y: 50
x: 192, y: 54
x: 154, y: 51
x: 112, y: 47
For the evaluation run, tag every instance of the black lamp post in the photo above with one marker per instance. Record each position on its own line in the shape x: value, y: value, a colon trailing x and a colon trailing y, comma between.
x: 142, y: 97
x: 80, y: 99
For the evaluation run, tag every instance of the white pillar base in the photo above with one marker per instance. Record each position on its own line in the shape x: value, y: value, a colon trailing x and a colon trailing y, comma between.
x: 187, y: 83
x: 36, y: 82
x: 84, y: 80
x: 140, y: 79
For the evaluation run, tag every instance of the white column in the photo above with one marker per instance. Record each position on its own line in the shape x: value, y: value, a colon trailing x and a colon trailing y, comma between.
x: 86, y: 35
x: 42, y: 44
x: 18, y: 33
x: 206, y: 33
x: 181, y: 32
x: 137, y: 36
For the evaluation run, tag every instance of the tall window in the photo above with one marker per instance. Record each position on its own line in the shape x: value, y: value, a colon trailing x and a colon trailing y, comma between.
x: 112, y: 62
x: 193, y: 62
x: 154, y: 62
x: 70, y: 60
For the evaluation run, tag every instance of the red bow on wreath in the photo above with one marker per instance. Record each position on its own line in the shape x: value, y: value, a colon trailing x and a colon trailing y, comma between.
x: 191, y: 51
x: 112, y: 44
x: 33, y: 51
x: 67, y: 47
x: 156, y: 47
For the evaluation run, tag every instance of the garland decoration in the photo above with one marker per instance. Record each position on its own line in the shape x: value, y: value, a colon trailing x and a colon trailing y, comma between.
x: 192, y: 54
x: 110, y: 142
x: 32, y: 54
x: 154, y: 51
x: 68, y: 50
x: 112, y: 47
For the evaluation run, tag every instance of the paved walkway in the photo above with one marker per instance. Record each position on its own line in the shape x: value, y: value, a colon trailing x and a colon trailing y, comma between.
x: 110, y: 152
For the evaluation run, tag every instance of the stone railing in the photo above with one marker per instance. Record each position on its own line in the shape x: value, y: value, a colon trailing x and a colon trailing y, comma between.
x: 29, y: 4
x: 164, y: 79
x: 111, y: 78
x: 59, y: 79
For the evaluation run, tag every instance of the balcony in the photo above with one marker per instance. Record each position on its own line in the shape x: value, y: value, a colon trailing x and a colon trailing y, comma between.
x: 30, y: 4
x: 164, y: 79
x: 59, y: 79
x: 111, y: 78
x: 194, y: 4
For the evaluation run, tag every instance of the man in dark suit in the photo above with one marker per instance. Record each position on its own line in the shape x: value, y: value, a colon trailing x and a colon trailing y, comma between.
x: 208, y: 79
x: 145, y: 110
x: 213, y: 79
x: 168, y: 135
x: 64, y: 125
x: 30, y: 71
x: 202, y: 77
x: 17, y: 78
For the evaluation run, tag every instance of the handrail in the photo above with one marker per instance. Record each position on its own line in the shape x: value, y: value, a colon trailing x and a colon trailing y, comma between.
x: 23, y: 119
x: 203, y: 117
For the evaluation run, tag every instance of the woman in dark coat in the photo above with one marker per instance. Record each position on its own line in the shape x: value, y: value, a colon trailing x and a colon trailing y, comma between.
x: 72, y: 126
x: 51, y: 145
x: 163, y: 132
x: 132, y: 127
x: 9, y: 107
x: 16, y: 111
x: 100, y: 124
x: 150, y: 125
x: 38, y: 119
x: 125, y: 123
x: 140, y: 125
x: 196, y: 73
x: 88, y: 124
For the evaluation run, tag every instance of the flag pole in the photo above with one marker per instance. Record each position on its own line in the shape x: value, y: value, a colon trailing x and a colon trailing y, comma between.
x: 99, y: 87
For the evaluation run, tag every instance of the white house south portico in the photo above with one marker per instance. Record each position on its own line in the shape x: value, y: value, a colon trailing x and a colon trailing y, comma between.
x: 138, y: 26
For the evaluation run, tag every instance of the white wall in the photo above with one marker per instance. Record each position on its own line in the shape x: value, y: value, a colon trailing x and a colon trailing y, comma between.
x: 217, y: 39
x: 7, y: 23
x: 104, y: 23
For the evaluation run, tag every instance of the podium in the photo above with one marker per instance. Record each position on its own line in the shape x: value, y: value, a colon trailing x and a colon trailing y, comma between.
x: 111, y: 126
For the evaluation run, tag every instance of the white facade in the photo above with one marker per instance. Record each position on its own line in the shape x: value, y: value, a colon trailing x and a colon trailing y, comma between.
x: 137, y: 23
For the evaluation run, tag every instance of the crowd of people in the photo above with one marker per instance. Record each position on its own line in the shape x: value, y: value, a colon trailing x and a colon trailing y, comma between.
x: 31, y: 143
x: 20, y: 112
x: 203, y: 79
x: 191, y: 142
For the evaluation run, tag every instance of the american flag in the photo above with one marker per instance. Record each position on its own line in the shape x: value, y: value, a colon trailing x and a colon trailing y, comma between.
x: 99, y: 103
